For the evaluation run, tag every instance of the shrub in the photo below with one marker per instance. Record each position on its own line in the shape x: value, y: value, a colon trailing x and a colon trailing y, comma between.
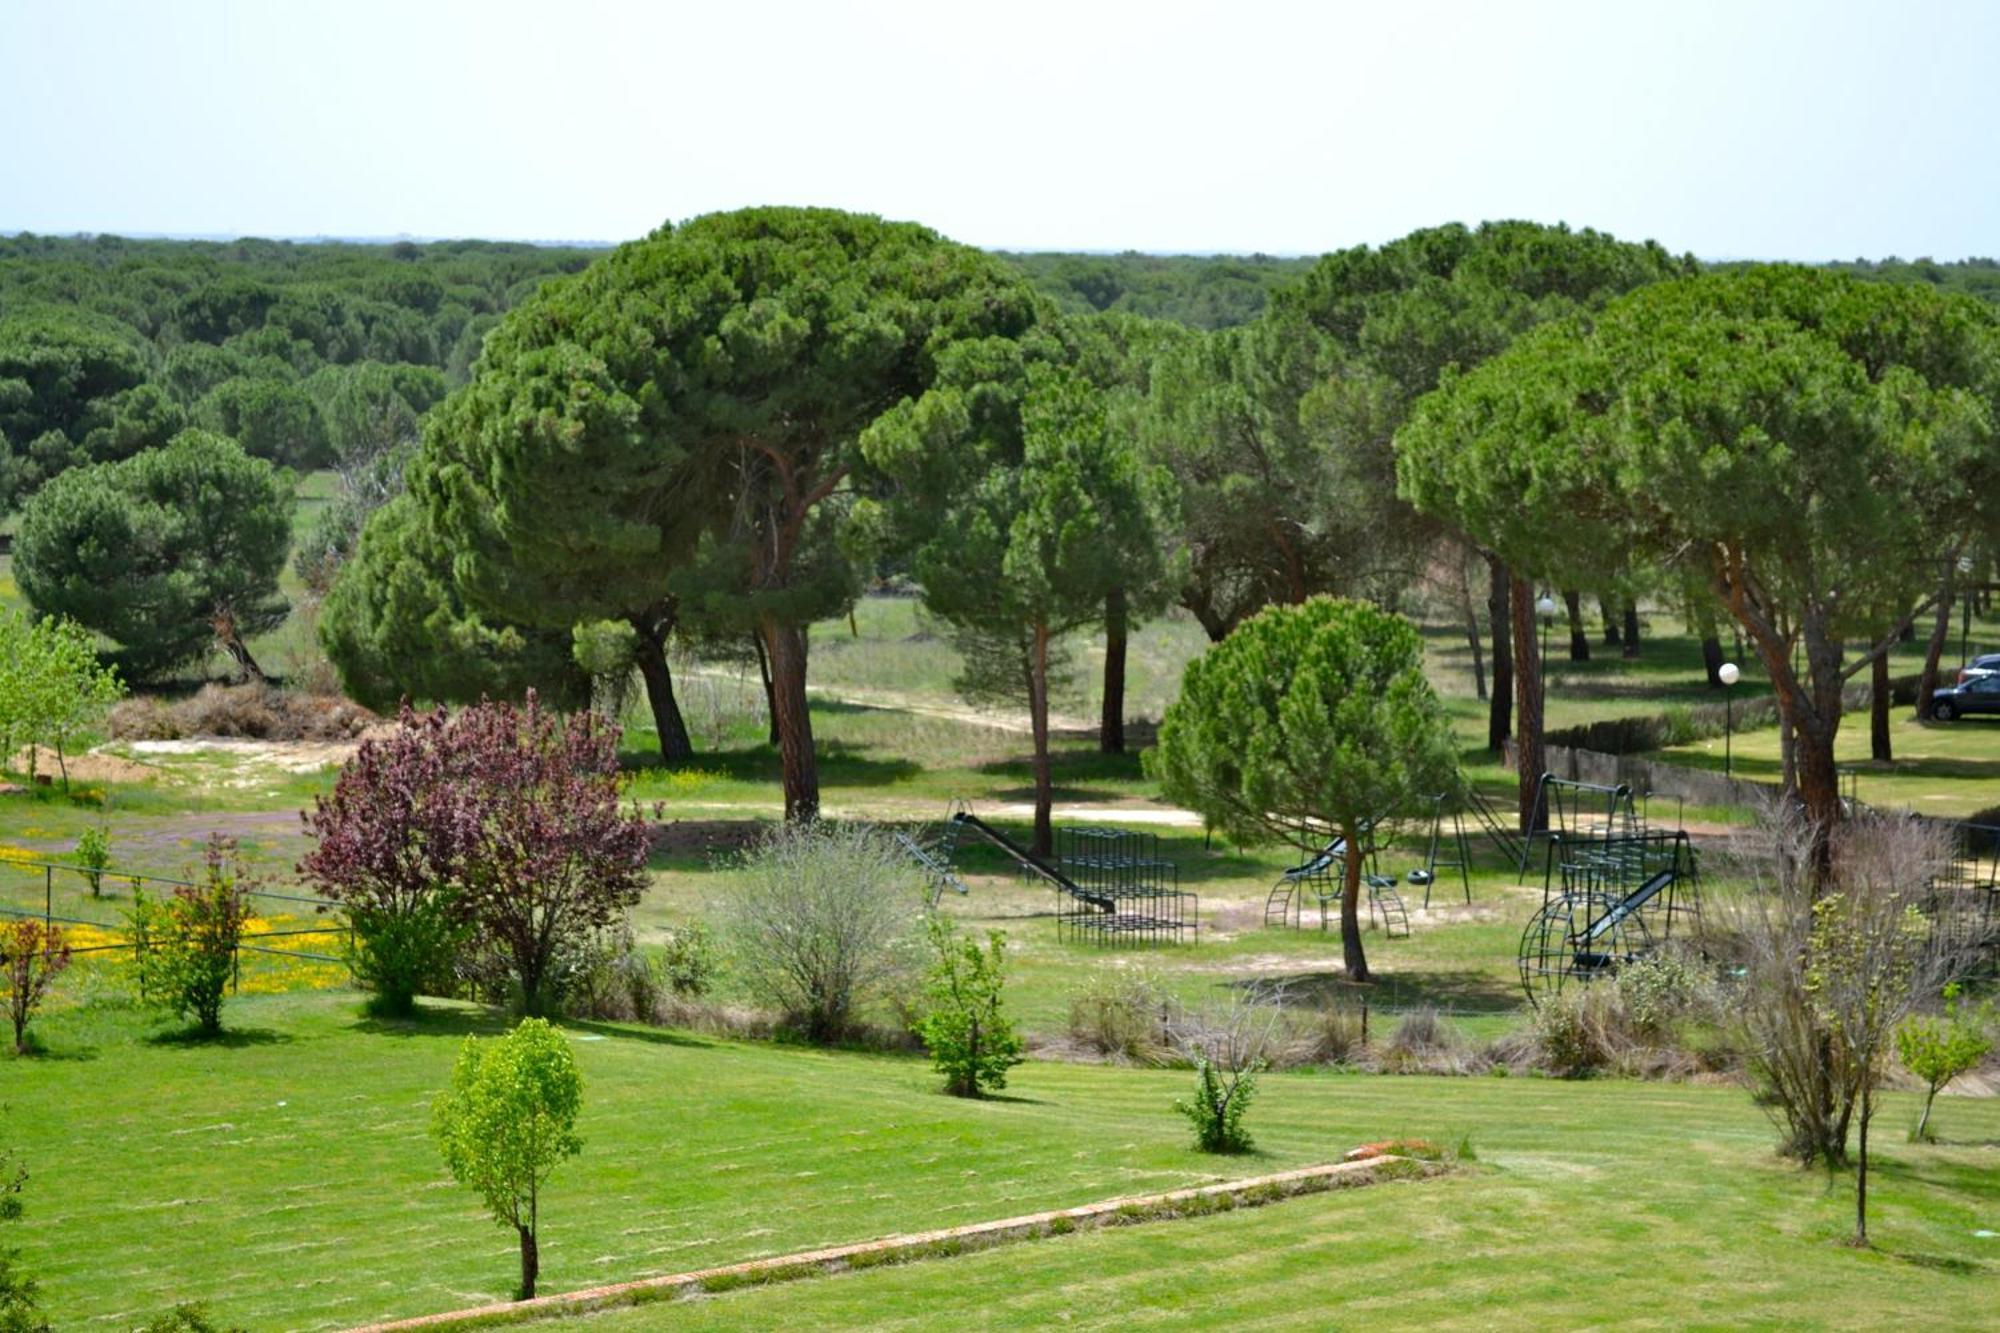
x: 1937, y: 1048
x: 1658, y: 993
x: 507, y: 1121
x: 144, y: 922
x: 612, y: 979
x: 1229, y: 1044
x: 1217, y: 1108
x: 1327, y: 1034
x: 1121, y: 1013
x: 1830, y: 962
x: 1422, y: 1041
x: 820, y: 923
x: 199, y: 930
x: 690, y: 960
x: 399, y: 955
x: 20, y: 1305
x: 93, y: 853
x: 33, y: 955
x: 972, y: 1043
x: 1571, y: 1030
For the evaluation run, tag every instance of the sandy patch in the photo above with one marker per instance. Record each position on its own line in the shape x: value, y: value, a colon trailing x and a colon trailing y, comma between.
x: 281, y: 756
x: 92, y: 766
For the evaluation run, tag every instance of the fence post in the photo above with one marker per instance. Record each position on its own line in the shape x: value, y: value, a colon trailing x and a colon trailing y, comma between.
x: 48, y: 897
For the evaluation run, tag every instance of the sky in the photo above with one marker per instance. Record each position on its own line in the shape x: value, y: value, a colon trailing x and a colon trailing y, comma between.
x: 1830, y: 130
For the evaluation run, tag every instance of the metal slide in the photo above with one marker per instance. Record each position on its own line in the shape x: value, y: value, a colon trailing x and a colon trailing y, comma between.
x: 1102, y: 902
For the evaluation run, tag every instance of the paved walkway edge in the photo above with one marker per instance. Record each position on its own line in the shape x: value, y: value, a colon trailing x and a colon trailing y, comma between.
x: 1198, y: 1200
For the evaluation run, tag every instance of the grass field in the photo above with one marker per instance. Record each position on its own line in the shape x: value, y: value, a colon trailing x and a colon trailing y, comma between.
x: 284, y: 1176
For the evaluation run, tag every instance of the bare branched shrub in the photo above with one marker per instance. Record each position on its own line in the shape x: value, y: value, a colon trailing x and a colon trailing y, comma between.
x: 1828, y: 966
x: 823, y: 921
x: 1229, y: 1043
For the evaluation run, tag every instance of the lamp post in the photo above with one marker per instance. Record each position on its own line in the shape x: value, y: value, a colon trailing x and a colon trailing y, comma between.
x: 1728, y: 674
x: 1545, y: 607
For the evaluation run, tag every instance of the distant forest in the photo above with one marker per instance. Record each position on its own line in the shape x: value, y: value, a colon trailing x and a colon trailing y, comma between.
x: 312, y: 354
x: 1201, y: 291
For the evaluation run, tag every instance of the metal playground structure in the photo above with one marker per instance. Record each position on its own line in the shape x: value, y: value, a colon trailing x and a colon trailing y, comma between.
x: 1613, y: 890
x: 1111, y: 886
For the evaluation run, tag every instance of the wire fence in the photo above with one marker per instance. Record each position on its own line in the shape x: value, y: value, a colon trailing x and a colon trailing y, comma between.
x: 342, y: 930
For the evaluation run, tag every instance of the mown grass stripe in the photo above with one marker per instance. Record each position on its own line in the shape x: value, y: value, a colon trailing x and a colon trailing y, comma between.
x: 1200, y: 1200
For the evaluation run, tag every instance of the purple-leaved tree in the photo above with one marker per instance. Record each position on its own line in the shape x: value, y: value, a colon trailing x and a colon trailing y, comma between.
x: 497, y: 827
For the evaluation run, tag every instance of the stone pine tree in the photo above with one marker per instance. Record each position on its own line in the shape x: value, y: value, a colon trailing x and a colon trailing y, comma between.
x: 1120, y: 353
x: 1306, y: 720
x: 165, y: 552
x: 396, y: 626
x: 1397, y: 318
x: 721, y: 371
x: 559, y: 503
x: 1811, y: 446
x: 1026, y: 506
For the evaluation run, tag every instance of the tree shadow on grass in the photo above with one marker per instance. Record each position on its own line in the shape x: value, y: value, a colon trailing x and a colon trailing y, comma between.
x: 1926, y: 1172
x: 841, y: 764
x: 41, y: 1054
x: 1940, y: 1263
x: 227, y: 1039
x: 1453, y: 991
x: 435, y: 1021
x: 634, y: 1032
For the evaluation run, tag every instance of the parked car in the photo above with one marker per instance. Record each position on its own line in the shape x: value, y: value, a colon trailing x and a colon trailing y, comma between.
x: 1983, y: 662
x: 1979, y: 694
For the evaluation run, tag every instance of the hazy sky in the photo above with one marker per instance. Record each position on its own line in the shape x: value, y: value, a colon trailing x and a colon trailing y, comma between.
x: 1743, y: 129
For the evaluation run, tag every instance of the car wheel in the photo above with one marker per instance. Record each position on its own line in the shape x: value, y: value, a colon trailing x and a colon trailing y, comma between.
x: 1943, y: 712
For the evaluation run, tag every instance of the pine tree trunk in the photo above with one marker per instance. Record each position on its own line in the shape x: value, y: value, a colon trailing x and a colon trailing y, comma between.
x: 1819, y: 791
x: 793, y: 719
x: 1940, y: 634
x: 651, y: 656
x: 1352, y: 956
x: 1472, y: 633
x: 1117, y: 630
x: 1878, y: 711
x: 1579, y: 637
x: 1530, y: 760
x: 770, y: 695
x: 1711, y: 660
x: 1631, y: 648
x: 1611, y: 635
x: 1500, y: 706
x: 1038, y: 717
x: 239, y: 651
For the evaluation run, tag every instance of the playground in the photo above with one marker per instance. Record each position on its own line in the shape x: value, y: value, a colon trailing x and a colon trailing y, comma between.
x: 278, y: 1141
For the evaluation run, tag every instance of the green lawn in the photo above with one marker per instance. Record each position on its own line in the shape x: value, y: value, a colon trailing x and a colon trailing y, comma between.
x: 285, y: 1177
x: 1948, y: 769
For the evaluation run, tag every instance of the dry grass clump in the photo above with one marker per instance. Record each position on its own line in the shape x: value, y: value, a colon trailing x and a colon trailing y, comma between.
x: 251, y: 711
